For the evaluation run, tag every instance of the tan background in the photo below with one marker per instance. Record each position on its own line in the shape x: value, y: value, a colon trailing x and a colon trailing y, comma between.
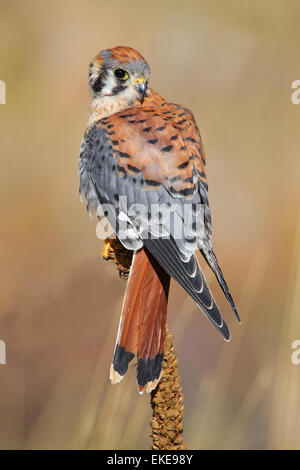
x: 232, y: 63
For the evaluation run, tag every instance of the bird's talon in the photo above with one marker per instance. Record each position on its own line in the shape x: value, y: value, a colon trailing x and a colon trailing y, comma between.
x: 106, y: 249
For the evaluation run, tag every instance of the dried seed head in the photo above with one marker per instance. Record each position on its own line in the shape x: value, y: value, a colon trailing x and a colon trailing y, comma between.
x: 167, y: 404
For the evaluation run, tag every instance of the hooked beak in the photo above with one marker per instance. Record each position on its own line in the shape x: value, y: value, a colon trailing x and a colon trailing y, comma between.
x: 140, y: 85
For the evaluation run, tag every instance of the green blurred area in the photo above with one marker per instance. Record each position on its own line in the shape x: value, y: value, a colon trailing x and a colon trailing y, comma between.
x: 232, y: 63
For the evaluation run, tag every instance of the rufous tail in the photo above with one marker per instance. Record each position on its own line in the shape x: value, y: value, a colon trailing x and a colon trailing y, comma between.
x: 143, y: 322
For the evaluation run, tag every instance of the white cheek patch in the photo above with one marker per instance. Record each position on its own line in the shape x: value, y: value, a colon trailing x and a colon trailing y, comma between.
x: 129, y: 94
x: 110, y: 84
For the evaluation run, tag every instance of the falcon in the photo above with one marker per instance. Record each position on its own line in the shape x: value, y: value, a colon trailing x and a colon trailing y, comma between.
x: 142, y: 164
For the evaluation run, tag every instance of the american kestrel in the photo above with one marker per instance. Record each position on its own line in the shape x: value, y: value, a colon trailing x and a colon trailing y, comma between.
x: 142, y: 161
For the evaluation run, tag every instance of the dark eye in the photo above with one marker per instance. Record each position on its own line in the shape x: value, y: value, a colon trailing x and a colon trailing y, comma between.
x: 121, y: 74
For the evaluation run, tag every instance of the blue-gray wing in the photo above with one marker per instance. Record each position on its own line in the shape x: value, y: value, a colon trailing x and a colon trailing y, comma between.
x: 142, y: 170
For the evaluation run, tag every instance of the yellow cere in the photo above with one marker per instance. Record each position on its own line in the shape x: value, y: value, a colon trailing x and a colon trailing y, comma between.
x: 139, y: 80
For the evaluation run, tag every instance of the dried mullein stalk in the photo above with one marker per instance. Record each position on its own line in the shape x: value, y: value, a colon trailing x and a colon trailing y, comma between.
x: 167, y: 404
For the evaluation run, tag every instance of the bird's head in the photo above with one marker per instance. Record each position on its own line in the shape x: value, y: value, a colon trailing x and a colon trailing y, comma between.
x: 119, y: 75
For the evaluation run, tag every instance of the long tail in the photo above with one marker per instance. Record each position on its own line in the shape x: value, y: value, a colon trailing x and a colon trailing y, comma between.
x: 212, y: 261
x: 143, y: 322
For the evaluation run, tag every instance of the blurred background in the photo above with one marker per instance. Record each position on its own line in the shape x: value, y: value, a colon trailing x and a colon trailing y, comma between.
x: 232, y: 63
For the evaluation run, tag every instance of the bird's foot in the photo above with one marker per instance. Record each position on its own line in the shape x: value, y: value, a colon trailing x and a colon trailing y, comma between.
x: 106, y: 249
x: 114, y: 250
